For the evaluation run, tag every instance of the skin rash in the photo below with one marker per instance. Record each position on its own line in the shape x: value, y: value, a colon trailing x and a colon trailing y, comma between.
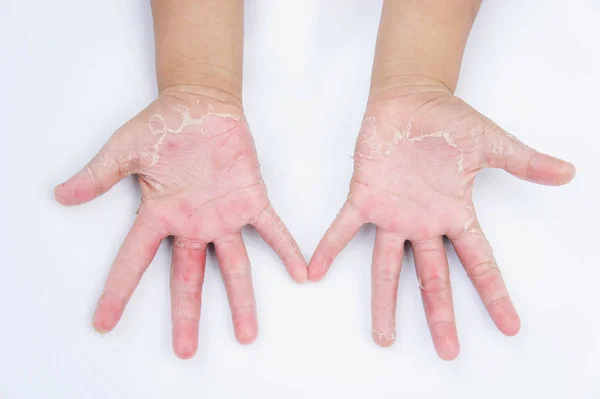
x: 415, y: 162
x: 201, y: 183
x: 417, y: 154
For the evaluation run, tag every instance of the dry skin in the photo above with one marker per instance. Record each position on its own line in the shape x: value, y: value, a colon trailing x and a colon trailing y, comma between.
x: 415, y: 162
x: 201, y: 183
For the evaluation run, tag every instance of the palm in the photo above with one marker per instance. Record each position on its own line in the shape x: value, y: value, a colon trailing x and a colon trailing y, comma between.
x: 201, y: 183
x: 415, y: 162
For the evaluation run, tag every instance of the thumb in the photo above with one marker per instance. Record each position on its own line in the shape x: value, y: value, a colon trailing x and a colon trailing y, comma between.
x: 104, y: 171
x: 503, y: 150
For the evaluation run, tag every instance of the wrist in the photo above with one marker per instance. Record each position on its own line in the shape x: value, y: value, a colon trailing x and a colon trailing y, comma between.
x: 202, y: 78
x: 206, y: 91
x: 421, y: 43
x: 397, y: 85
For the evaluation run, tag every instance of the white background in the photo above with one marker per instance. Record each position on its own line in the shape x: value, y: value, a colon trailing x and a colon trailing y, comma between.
x: 73, y: 71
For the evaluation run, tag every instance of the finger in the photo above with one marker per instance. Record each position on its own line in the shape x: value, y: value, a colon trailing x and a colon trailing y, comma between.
x: 187, y: 275
x: 385, y: 274
x: 434, y: 280
x: 235, y: 269
x: 107, y: 168
x: 273, y: 231
x: 502, y: 150
x: 131, y: 262
x: 475, y: 254
x: 345, y: 226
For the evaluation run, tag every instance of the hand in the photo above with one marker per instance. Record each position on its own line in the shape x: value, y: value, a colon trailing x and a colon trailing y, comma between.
x: 200, y: 182
x: 416, y: 158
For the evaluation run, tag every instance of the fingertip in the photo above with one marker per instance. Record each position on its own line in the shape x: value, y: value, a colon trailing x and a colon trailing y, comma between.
x: 567, y: 173
x: 102, y: 324
x: 385, y: 340
x: 185, y: 338
x: 548, y: 170
x: 317, y: 268
x: 107, y: 315
x: 245, y: 326
x: 315, y: 277
x: 185, y: 351
x: 301, y: 277
x: 77, y: 190
x: 449, y: 349
x: 298, y: 269
x: 511, y: 328
x: 505, y: 317
x: 246, y: 336
x: 445, y: 340
x: 57, y: 193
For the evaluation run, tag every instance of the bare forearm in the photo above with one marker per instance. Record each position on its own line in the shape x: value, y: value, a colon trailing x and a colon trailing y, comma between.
x: 199, y: 43
x: 421, y: 42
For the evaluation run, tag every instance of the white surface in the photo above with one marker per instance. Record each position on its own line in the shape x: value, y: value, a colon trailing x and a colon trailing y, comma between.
x: 73, y: 71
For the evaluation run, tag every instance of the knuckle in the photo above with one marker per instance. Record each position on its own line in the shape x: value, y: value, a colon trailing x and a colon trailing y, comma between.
x: 146, y: 224
x: 243, y: 307
x: 188, y: 243
x: 386, y: 274
x: 131, y: 266
x: 335, y: 234
x: 187, y: 309
x: 263, y: 213
x: 241, y: 310
x: 497, y: 303
x: 482, y: 269
x: 427, y: 246
x: 352, y: 206
x: 288, y: 250
x: 233, y: 275
x: 187, y: 284
x: 225, y: 241
x: 99, y: 187
x: 435, y: 284
x: 440, y: 327
x: 530, y: 162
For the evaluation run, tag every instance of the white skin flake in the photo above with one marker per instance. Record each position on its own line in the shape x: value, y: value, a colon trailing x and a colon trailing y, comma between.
x: 413, y: 180
x: 159, y: 128
x: 200, y: 181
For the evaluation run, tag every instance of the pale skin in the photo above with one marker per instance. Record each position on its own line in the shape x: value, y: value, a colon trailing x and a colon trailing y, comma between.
x: 417, y: 154
x: 198, y: 170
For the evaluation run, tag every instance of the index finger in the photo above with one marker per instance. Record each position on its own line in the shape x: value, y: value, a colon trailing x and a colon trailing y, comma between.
x: 345, y: 226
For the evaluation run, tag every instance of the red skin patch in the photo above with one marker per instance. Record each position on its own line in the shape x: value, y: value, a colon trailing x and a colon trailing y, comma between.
x: 200, y: 181
x: 415, y: 162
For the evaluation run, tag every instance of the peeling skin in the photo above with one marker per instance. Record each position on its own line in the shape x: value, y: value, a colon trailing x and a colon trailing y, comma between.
x: 470, y: 225
x: 390, y: 329
x: 385, y: 336
x: 89, y: 170
x: 187, y: 120
x: 501, y: 148
x: 380, y: 147
x: 371, y: 140
x: 415, y: 163
x: 200, y: 182
x: 397, y: 140
x: 188, y: 243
